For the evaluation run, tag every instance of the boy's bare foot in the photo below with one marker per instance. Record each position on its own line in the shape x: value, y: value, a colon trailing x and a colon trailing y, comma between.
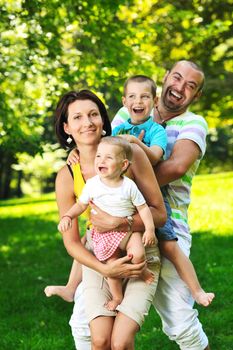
x: 203, y: 298
x: 62, y: 291
x: 112, y: 304
x: 147, y: 276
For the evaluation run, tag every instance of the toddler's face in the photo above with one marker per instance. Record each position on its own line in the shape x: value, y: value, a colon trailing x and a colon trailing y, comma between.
x: 139, y: 101
x: 109, y: 161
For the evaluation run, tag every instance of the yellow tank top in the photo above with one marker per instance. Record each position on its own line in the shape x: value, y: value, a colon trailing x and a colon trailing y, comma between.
x: 79, y: 183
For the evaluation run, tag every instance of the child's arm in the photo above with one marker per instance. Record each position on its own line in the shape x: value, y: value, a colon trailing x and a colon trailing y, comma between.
x: 66, y: 220
x: 73, y: 157
x: 154, y: 153
x: 148, y: 237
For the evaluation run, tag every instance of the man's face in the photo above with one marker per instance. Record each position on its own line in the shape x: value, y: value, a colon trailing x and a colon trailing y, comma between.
x: 181, y: 87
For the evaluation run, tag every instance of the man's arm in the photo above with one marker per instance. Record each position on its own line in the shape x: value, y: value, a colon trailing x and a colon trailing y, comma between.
x: 184, y: 154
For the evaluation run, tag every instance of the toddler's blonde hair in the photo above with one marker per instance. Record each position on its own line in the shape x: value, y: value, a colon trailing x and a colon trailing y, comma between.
x: 120, y: 142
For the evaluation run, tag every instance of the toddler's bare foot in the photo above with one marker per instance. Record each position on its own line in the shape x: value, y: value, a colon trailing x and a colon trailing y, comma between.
x: 112, y: 304
x: 203, y: 298
x: 147, y: 276
x: 62, y: 291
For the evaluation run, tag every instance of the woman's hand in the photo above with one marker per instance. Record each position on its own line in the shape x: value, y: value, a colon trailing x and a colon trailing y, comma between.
x: 122, y: 268
x: 102, y: 221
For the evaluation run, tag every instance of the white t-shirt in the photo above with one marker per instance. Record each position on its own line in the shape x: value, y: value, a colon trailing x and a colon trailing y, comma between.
x: 116, y: 201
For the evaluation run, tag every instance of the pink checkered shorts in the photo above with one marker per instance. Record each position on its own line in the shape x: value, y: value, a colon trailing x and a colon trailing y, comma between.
x: 105, y: 244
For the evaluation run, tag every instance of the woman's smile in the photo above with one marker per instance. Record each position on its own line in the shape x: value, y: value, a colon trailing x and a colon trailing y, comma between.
x: 88, y: 131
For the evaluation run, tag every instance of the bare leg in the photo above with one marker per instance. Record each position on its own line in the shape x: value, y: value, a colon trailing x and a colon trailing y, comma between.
x: 184, y: 267
x: 101, y: 331
x: 135, y: 247
x: 67, y: 292
x: 124, y: 332
x: 115, y: 286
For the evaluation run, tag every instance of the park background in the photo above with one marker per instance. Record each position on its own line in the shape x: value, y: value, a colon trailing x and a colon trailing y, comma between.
x: 50, y: 47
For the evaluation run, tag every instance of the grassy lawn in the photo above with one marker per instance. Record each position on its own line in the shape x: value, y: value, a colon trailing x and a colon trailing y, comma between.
x: 32, y: 255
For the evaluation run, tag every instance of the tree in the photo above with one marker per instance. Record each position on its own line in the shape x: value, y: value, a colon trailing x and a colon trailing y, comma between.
x: 49, y: 47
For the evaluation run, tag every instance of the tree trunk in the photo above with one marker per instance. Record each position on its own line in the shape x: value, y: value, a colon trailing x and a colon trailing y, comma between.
x: 6, y: 174
x: 19, y: 192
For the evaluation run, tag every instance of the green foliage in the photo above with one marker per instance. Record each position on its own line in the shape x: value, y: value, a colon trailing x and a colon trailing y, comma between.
x: 219, y: 152
x: 32, y: 255
x: 49, y: 47
x: 39, y: 171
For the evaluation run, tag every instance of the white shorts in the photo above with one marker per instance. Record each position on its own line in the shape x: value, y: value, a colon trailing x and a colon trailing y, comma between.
x: 138, y: 295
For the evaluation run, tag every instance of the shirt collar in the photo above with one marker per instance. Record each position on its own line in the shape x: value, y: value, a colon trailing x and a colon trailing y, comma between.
x: 129, y: 126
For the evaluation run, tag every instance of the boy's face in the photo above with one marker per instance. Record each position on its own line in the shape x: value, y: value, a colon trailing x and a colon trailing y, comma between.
x: 139, y: 101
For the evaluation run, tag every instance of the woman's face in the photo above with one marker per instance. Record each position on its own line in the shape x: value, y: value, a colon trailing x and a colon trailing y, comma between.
x: 84, y: 122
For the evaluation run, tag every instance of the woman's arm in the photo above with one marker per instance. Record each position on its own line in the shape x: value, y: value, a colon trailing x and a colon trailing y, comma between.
x: 142, y: 173
x: 71, y: 238
x: 145, y: 179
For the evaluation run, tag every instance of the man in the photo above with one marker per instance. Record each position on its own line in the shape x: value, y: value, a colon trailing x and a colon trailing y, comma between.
x: 186, y: 146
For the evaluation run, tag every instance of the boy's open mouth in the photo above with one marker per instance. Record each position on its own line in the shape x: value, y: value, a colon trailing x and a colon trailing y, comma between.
x: 138, y: 110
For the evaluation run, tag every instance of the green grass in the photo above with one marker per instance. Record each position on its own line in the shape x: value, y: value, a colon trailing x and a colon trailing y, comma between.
x: 32, y: 255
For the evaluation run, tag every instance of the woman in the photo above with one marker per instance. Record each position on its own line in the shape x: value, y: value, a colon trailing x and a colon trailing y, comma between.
x: 82, y: 118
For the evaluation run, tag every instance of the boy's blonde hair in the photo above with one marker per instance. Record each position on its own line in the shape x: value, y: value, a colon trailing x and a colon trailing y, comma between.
x: 120, y: 142
x: 141, y: 79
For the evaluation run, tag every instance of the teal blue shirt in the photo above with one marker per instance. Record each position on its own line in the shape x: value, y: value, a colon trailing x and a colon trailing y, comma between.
x: 155, y: 134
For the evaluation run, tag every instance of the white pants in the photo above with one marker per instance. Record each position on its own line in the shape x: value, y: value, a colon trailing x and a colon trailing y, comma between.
x: 173, y: 303
x: 78, y: 322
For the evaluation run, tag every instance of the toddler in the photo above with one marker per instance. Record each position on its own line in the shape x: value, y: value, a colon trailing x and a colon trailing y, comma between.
x: 118, y: 196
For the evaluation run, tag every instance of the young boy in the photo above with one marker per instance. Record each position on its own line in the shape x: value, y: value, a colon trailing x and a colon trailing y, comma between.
x: 140, y: 98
